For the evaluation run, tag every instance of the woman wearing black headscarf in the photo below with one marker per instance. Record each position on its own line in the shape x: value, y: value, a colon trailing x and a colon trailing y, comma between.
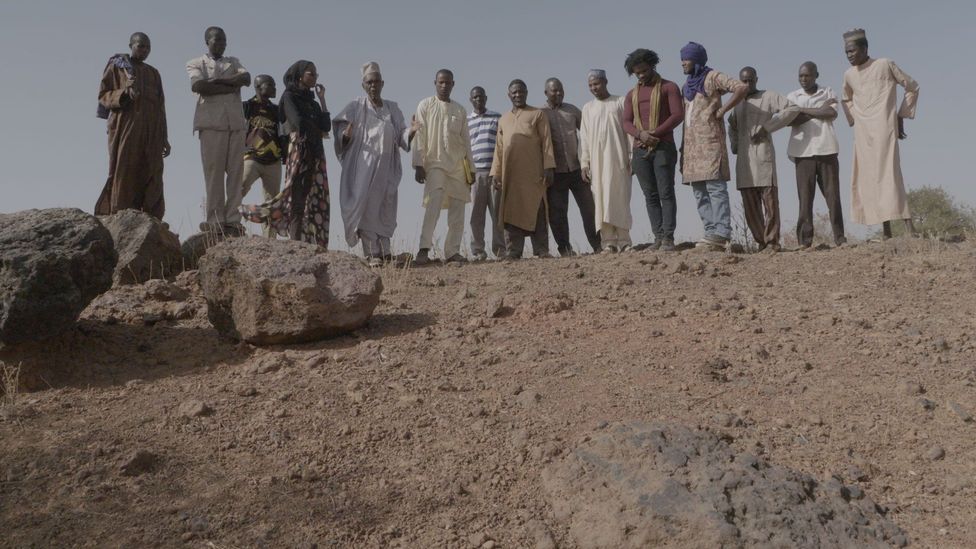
x: 301, y: 211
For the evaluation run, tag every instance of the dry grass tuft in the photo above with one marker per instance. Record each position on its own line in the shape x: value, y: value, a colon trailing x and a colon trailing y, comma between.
x: 9, y: 383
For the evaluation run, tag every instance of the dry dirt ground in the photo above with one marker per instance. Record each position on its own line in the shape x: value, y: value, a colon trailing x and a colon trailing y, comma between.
x: 432, y: 426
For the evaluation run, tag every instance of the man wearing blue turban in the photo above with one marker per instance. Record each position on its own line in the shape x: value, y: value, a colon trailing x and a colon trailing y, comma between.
x: 704, y: 157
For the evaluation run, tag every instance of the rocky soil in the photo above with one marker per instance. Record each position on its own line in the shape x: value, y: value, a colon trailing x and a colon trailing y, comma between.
x: 455, y: 417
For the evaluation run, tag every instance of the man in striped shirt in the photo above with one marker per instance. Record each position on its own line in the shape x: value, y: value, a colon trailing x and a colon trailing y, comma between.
x: 483, y: 127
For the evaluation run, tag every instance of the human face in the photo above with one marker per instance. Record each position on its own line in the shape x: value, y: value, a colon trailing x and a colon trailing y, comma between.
x: 373, y: 86
x: 517, y: 93
x: 644, y: 73
x: 687, y: 66
x: 598, y: 87
x: 265, y: 88
x: 555, y: 93
x: 309, y: 78
x: 444, y: 84
x: 217, y: 43
x: 808, y: 78
x: 750, y: 79
x: 140, y: 48
x: 479, y: 100
x: 856, y: 55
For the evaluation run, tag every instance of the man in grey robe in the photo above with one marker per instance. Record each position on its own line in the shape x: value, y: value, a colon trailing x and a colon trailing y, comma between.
x: 750, y: 134
x: 369, y: 133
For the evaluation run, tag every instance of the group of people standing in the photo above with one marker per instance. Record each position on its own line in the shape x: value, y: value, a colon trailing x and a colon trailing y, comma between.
x: 518, y: 168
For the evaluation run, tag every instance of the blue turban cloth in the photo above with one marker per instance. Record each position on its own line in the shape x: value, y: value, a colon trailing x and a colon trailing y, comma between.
x: 695, y: 84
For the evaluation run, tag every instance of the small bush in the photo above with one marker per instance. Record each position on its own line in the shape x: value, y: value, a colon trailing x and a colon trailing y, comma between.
x: 936, y: 214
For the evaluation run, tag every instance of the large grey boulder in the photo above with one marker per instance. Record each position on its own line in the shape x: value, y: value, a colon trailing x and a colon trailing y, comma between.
x: 52, y: 264
x: 146, y: 247
x: 659, y: 485
x: 267, y: 291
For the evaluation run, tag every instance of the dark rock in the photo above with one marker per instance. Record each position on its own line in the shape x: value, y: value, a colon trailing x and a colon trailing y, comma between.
x: 52, y: 264
x: 270, y: 292
x: 147, y: 249
x: 654, y: 485
x: 140, y: 462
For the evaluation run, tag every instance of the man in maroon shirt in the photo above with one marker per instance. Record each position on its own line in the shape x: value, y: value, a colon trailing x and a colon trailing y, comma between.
x: 652, y: 110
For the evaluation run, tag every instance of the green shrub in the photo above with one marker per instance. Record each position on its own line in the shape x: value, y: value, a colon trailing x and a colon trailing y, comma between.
x: 936, y: 214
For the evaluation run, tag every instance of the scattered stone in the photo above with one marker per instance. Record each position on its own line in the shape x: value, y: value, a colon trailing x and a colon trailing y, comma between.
x: 139, y: 462
x: 146, y: 247
x: 926, y: 404
x: 161, y: 290
x: 194, y: 408
x: 53, y: 263
x: 963, y: 414
x: 911, y: 388
x: 478, y: 539
x: 268, y: 292
x: 681, y: 267
x: 494, y: 306
x: 935, y: 453
x: 463, y: 294
x: 856, y: 474
x: 248, y: 392
x: 528, y: 399
x: 715, y: 368
x: 650, y: 485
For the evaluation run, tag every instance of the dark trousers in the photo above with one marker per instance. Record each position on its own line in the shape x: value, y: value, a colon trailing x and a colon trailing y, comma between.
x: 656, y: 177
x: 300, y: 187
x: 515, y: 237
x: 764, y: 227
x: 811, y: 172
x: 558, y: 196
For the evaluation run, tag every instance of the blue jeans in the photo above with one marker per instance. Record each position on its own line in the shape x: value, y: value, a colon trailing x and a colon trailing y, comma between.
x: 713, y: 208
x: 656, y: 177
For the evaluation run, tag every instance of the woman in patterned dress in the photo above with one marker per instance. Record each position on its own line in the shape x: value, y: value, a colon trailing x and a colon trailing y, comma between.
x: 301, y: 210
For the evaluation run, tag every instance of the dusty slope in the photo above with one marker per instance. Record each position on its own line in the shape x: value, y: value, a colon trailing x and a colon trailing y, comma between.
x: 432, y: 427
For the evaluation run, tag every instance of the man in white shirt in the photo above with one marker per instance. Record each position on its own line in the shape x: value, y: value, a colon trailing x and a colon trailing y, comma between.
x: 219, y: 121
x: 813, y: 148
x: 440, y: 148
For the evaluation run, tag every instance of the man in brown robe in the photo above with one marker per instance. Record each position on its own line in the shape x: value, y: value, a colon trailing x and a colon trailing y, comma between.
x: 131, y: 98
x: 522, y: 169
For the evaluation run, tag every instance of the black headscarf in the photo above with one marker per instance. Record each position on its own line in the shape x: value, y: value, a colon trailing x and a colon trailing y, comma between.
x: 294, y: 74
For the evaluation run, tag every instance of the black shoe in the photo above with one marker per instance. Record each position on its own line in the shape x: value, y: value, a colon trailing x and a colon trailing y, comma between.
x: 423, y: 257
x: 667, y: 245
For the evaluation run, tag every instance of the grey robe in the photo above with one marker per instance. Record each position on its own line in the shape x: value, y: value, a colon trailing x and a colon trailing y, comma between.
x: 371, y: 167
x: 755, y: 165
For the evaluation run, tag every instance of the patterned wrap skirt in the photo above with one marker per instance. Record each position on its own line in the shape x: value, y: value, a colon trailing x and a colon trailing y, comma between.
x: 305, y: 175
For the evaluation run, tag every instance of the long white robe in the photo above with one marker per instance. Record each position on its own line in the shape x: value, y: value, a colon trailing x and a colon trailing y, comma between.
x: 605, y: 150
x: 371, y: 167
x: 870, y: 102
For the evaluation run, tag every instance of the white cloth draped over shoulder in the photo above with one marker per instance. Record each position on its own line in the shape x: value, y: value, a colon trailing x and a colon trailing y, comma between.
x: 371, y: 167
x: 605, y: 150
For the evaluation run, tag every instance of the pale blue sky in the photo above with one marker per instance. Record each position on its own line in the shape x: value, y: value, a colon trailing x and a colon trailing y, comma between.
x: 54, y: 148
